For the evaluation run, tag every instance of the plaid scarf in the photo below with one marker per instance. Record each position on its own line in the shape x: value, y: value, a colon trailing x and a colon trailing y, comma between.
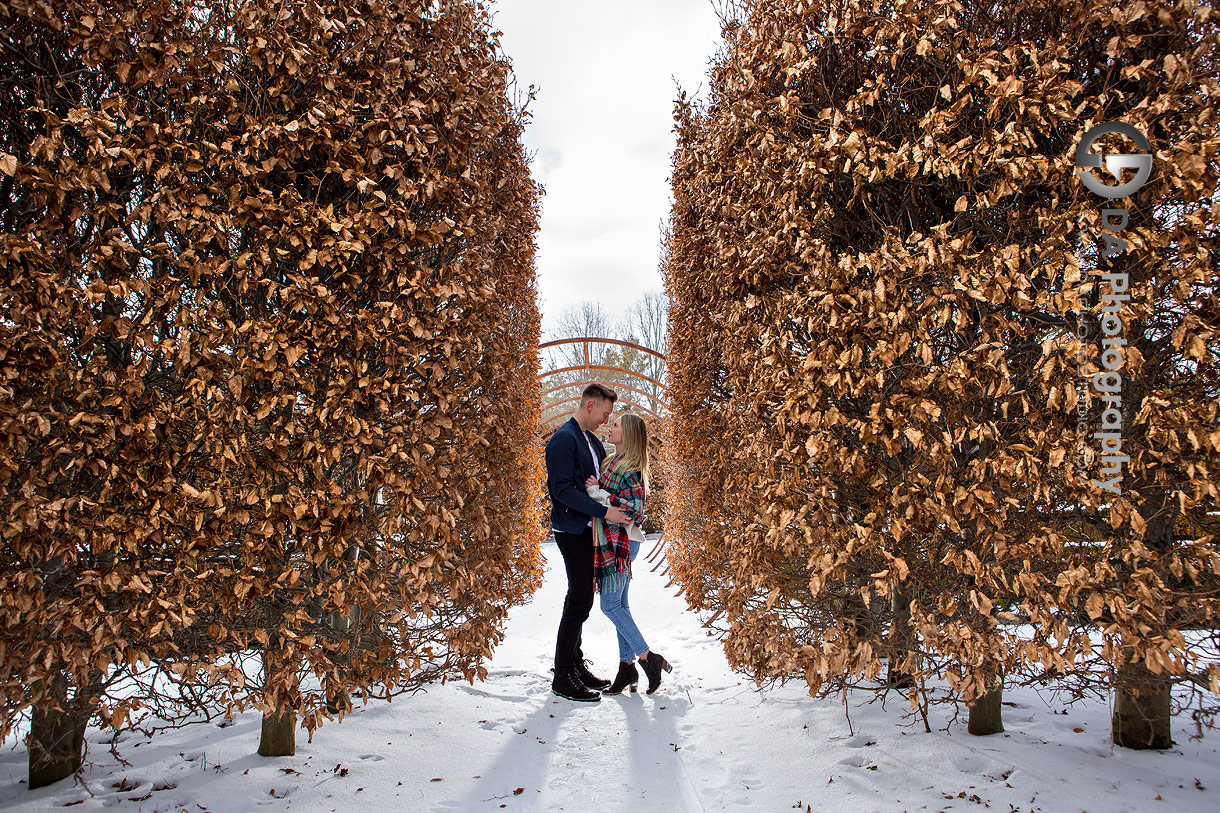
x: 611, y: 547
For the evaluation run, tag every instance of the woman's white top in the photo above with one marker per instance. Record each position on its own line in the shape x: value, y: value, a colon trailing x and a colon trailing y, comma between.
x: 634, y: 532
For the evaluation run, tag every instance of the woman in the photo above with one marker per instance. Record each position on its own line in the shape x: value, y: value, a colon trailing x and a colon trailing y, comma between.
x: 623, y: 483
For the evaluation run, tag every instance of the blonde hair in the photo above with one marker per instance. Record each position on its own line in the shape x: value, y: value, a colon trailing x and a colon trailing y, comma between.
x: 633, y: 454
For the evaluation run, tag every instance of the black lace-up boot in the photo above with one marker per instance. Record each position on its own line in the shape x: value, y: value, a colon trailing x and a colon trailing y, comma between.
x: 589, y: 679
x: 567, y: 684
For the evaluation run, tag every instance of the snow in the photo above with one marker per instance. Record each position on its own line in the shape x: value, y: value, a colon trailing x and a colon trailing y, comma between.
x: 708, y: 740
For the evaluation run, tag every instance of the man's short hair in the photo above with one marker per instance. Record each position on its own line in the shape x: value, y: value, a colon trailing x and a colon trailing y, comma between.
x: 598, y: 392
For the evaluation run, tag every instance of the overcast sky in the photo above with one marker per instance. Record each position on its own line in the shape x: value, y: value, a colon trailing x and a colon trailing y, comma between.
x: 602, y: 133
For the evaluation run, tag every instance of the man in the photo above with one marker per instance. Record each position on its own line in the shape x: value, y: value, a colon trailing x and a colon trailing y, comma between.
x: 572, y: 455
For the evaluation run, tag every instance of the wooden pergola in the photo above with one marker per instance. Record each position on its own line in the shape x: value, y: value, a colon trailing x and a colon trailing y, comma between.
x: 587, y: 376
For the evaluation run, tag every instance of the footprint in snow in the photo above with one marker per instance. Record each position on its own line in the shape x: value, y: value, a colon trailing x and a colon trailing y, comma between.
x: 1000, y: 773
x: 508, y: 673
x: 512, y: 698
x: 972, y: 764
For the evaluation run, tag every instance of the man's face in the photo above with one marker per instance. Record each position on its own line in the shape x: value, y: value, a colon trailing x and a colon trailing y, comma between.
x: 599, y: 411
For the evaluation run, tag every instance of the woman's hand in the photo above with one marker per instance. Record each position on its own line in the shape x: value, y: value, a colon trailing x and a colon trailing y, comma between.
x: 592, y: 481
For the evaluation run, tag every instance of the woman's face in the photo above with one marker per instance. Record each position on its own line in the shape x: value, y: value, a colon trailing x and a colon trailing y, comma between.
x: 616, y: 432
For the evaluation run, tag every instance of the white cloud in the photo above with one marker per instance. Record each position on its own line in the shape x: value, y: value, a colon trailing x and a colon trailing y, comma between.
x: 602, y: 133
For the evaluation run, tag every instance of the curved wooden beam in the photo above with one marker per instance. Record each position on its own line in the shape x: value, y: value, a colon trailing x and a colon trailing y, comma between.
x: 578, y: 367
x: 577, y: 399
x: 653, y: 441
x: 593, y: 340
x: 558, y: 387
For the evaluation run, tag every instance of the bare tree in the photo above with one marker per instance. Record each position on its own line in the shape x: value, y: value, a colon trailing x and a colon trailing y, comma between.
x: 584, y: 319
x: 644, y: 324
x: 648, y: 321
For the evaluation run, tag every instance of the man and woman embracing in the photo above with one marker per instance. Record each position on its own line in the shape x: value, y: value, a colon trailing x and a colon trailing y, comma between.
x: 597, y: 514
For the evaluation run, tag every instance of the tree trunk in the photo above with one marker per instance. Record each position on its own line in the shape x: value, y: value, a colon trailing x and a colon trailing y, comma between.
x: 57, y: 738
x: 279, y: 734
x: 1141, y: 716
x: 279, y: 725
x: 985, y: 712
x: 901, y: 638
x: 1141, y: 709
x: 337, y: 699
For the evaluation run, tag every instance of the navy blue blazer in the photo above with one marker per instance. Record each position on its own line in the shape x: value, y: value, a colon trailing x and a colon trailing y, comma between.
x: 568, y: 465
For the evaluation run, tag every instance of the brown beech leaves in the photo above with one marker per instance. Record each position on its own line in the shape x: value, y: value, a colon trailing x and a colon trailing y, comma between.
x: 885, y: 284
x: 268, y: 373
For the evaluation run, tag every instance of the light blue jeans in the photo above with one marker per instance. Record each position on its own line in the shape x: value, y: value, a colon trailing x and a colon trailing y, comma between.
x: 614, y: 605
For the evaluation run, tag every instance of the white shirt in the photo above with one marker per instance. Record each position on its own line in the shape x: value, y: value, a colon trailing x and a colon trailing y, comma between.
x: 596, y: 466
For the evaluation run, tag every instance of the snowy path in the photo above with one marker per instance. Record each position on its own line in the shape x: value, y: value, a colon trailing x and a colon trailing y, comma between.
x: 706, y: 742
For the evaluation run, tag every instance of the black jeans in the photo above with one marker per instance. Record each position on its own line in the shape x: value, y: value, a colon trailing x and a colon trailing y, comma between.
x: 577, y: 550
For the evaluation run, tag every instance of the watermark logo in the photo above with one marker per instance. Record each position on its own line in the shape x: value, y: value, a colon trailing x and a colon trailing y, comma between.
x: 1086, y: 161
x: 1108, y: 384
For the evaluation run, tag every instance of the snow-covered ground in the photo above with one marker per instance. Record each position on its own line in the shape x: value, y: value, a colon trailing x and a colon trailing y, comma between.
x: 706, y: 741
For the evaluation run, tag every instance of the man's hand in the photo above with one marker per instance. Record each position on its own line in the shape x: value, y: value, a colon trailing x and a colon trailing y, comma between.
x: 592, y: 481
x: 618, y: 516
